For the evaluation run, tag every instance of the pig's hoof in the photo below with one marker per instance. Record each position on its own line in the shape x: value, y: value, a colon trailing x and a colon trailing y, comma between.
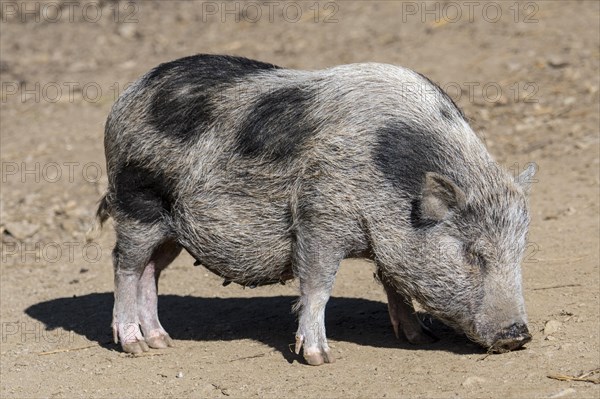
x: 135, y: 347
x: 159, y: 341
x: 316, y: 357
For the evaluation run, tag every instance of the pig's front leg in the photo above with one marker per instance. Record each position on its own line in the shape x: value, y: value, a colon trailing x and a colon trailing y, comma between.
x: 316, y: 274
x: 402, y: 316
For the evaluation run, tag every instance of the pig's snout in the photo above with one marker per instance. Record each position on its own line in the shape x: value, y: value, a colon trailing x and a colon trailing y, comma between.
x: 511, y: 338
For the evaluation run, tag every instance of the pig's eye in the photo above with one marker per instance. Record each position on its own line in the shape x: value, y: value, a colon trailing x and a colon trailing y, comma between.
x: 475, y: 258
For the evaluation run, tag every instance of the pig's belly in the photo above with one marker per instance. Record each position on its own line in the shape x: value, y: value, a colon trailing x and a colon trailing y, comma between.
x: 242, y: 244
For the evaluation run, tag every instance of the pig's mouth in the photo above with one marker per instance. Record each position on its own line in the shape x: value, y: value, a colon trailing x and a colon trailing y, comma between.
x: 508, y: 339
x: 507, y: 345
x: 511, y: 338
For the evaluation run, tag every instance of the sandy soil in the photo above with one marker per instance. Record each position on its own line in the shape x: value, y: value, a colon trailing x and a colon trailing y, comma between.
x: 61, y: 69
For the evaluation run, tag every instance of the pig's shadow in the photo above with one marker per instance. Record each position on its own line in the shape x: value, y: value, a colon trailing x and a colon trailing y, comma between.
x: 265, y: 319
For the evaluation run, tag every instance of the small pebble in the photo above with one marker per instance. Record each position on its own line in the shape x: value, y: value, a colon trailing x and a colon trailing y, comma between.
x: 473, y: 381
x: 551, y: 327
x: 557, y: 62
x: 179, y: 374
x: 21, y: 230
x: 563, y: 393
x: 128, y: 31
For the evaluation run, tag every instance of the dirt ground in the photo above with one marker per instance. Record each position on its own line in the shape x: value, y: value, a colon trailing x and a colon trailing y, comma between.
x: 527, y: 76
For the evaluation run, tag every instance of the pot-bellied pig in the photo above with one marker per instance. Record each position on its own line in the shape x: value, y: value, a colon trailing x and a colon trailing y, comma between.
x: 265, y: 174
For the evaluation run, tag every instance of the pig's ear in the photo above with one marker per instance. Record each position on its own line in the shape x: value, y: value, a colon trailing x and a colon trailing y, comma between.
x: 526, y: 178
x: 440, y: 196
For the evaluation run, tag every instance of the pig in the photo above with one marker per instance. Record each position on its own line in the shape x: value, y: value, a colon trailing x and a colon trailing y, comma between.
x: 265, y: 174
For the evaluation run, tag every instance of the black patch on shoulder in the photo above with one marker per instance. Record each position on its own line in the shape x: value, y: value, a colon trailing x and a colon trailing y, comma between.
x: 142, y: 194
x: 278, y: 124
x: 445, y: 110
x: 404, y: 153
x: 183, y: 91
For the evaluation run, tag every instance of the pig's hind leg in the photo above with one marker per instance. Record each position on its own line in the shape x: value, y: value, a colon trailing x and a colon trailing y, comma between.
x: 134, y: 252
x: 147, y: 295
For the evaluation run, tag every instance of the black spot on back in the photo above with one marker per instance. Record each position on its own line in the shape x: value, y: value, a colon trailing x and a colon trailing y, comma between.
x: 449, y: 109
x: 183, y: 91
x: 278, y: 124
x: 143, y: 194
